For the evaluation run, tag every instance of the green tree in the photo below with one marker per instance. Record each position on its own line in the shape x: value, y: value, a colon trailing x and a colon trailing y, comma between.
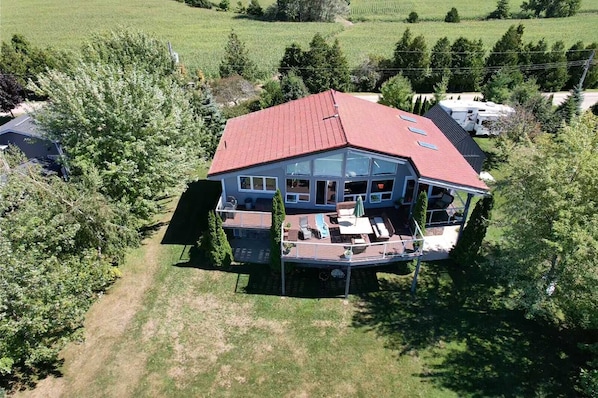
x: 580, y: 54
x: 214, y: 242
x: 440, y: 61
x: 236, y: 59
x: 278, y: 216
x: 528, y: 96
x: 396, y: 92
x: 311, y: 10
x: 550, y: 260
x: 254, y: 8
x: 366, y: 76
x: 271, y: 94
x: 507, y: 49
x: 206, y: 110
x: 411, y: 58
x: 11, y: 92
x: 452, y: 16
x: 292, y: 87
x: 502, y: 10
x: 552, y: 8
x: 340, y: 79
x: 137, y: 129
x: 570, y: 108
x: 467, y: 65
x: 420, y: 211
x: 292, y: 60
x: 467, y: 248
x: 316, y: 71
x: 498, y: 89
x: 554, y: 78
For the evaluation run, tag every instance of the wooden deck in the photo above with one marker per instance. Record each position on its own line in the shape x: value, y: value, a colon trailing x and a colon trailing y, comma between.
x: 403, y: 245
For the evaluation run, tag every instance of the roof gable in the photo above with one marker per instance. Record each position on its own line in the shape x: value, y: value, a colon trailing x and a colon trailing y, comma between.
x: 331, y: 120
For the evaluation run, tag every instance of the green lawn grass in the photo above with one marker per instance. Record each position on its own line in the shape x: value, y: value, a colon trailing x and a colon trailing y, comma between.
x: 199, y: 35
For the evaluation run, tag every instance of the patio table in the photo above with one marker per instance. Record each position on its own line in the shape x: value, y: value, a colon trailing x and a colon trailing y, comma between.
x: 354, y: 225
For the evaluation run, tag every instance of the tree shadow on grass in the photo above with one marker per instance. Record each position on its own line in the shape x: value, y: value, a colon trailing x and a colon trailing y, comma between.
x: 469, y: 345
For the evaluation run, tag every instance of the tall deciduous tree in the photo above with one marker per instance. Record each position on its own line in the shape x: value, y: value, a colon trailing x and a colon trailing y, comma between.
x: 550, y: 257
x: 396, y: 92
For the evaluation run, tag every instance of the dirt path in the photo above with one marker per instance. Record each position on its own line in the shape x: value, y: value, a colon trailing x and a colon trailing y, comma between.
x: 105, y: 324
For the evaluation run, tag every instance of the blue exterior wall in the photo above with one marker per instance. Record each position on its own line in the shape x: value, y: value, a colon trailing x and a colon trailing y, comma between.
x: 278, y: 170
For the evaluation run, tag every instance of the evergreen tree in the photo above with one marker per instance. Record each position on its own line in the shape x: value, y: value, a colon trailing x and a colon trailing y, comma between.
x: 214, y: 243
x: 452, y: 16
x: 468, y: 246
x: 556, y: 76
x: 236, y: 59
x: 507, y: 49
x: 420, y: 212
x: 292, y: 60
x: 271, y: 94
x: 316, y: 71
x: 440, y: 61
x: 278, y: 217
x: 498, y: 89
x: 417, y: 107
x: 502, y: 10
x: 570, y: 108
x: 340, y: 78
x: 411, y: 58
x: 292, y: 87
x: 254, y: 8
x: 206, y: 109
x: 578, y: 53
x: 552, y: 8
x: 467, y: 64
x: 396, y: 92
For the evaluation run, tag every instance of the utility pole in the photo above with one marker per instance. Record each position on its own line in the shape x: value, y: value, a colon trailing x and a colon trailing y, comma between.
x: 585, y: 71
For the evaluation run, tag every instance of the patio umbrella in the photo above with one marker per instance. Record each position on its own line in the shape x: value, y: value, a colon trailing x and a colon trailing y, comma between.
x: 359, y: 211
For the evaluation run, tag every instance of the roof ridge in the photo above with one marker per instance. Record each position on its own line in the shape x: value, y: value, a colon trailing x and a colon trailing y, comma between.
x: 340, y: 121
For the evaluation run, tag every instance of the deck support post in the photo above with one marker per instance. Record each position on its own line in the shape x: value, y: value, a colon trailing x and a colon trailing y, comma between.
x: 348, y: 281
x: 465, y: 213
x: 282, y: 277
x: 414, y: 281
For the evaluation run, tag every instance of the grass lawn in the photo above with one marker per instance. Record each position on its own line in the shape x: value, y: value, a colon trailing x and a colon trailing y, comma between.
x: 199, y: 35
x: 170, y: 327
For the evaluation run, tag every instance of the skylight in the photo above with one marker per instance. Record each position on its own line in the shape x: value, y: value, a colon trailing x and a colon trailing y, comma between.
x: 408, y: 118
x: 427, y: 145
x: 416, y: 130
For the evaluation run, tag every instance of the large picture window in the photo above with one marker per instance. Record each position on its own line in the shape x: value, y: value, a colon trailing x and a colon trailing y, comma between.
x: 257, y: 183
x: 357, y: 165
x: 329, y: 166
x: 299, y: 168
x: 297, y: 190
x: 383, y: 167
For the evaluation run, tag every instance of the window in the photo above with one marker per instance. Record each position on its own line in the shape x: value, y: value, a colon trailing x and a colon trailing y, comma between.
x: 299, y: 168
x: 353, y: 189
x: 297, y: 190
x: 357, y: 165
x: 382, y: 167
x: 381, y: 190
x: 329, y: 166
x: 255, y: 183
x: 408, y: 190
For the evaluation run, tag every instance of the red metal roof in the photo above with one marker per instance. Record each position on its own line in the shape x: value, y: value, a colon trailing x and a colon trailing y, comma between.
x: 332, y: 120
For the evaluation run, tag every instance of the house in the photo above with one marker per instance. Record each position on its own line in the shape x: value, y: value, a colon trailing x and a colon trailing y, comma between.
x: 461, y: 140
x: 332, y: 148
x: 24, y: 134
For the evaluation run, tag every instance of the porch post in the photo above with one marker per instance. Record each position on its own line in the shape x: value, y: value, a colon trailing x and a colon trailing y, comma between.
x: 348, y: 281
x: 414, y: 281
x: 465, y: 214
x: 282, y: 276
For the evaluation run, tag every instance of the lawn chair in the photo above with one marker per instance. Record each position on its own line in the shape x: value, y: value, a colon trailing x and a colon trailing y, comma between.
x: 322, y: 227
x: 304, y: 228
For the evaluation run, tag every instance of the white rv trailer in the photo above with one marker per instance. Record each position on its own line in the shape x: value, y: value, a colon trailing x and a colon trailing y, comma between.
x: 475, y: 116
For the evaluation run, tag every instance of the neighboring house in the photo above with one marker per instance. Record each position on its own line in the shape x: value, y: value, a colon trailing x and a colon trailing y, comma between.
x: 460, y: 138
x: 328, y: 149
x: 24, y: 134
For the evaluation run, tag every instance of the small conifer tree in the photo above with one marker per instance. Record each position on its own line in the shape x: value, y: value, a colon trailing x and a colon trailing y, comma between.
x: 467, y: 248
x: 214, y: 243
x: 452, y: 16
x: 420, y: 212
x: 278, y: 216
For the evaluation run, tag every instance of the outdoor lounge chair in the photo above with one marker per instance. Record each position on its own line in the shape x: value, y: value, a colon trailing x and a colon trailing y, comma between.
x: 443, y: 202
x: 230, y: 204
x: 322, y: 227
x: 304, y: 228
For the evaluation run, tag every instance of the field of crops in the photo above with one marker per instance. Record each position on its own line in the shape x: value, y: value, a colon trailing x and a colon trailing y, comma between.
x: 199, y: 35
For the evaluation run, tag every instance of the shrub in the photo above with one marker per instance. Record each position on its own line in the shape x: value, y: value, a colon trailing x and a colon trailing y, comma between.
x: 224, y: 5
x: 413, y: 17
x: 255, y: 9
x: 452, y: 16
x: 199, y: 3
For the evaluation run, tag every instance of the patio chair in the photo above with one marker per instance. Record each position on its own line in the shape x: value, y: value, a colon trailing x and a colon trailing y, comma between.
x: 322, y: 227
x: 230, y: 204
x: 304, y: 228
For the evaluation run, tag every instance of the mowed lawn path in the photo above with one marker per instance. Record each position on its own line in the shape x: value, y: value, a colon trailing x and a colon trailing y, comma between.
x: 168, y: 330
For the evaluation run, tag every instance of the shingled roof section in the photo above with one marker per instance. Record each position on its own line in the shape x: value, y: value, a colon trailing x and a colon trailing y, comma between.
x: 331, y: 120
x: 464, y: 143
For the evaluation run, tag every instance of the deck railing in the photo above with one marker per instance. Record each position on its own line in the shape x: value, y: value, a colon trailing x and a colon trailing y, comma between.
x: 446, y: 216
x: 245, y: 218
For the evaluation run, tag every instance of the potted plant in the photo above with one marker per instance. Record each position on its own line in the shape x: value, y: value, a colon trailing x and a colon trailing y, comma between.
x: 287, y: 226
x: 398, y: 203
x: 287, y: 247
x: 458, y: 216
x: 348, y: 253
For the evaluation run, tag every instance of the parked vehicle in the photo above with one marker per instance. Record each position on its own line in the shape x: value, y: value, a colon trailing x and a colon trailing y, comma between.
x: 475, y: 116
